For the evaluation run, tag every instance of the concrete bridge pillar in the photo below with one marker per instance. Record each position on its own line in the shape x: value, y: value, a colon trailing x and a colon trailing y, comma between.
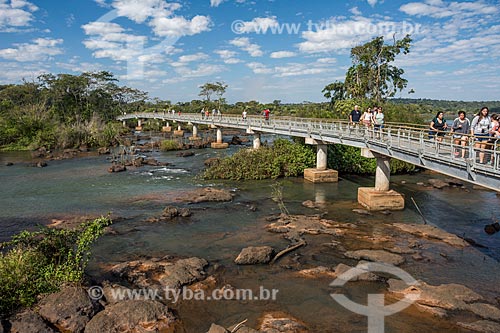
x: 179, y: 131
x: 166, y: 128
x: 380, y: 197
x: 219, y: 144
x: 195, y: 134
x: 320, y: 174
x: 139, y: 125
x: 256, y: 141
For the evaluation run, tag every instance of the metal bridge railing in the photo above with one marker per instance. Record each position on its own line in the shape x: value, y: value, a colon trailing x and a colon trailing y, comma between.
x: 407, y: 142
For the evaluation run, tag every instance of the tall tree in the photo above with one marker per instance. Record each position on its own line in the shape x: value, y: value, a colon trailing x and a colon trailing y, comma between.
x: 372, y: 75
x: 334, y: 92
x: 209, y: 89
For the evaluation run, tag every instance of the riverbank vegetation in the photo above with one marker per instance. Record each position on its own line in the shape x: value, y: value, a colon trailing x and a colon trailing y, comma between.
x: 38, y: 262
x: 283, y: 159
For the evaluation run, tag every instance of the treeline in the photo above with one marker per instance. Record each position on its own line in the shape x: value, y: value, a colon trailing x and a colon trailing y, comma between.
x: 65, y: 111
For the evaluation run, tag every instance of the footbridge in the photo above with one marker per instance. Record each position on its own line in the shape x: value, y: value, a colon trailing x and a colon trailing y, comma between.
x: 406, y: 143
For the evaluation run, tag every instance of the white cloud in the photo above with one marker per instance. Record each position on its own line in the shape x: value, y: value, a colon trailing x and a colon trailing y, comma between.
x: 434, y: 73
x: 355, y: 11
x: 228, y: 56
x: 291, y: 69
x: 258, y: 25
x: 245, y: 44
x: 140, y: 11
x: 200, y: 70
x: 372, y: 2
x: 17, y: 13
x: 41, y: 49
x: 193, y: 57
x: 178, y: 26
x: 283, y: 54
x: 14, y: 71
x: 440, y: 9
x: 215, y: 3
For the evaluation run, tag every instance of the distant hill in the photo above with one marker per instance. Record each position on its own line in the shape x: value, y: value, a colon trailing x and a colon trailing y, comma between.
x: 450, y: 106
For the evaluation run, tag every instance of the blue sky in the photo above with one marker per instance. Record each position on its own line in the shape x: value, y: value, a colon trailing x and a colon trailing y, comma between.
x: 264, y: 50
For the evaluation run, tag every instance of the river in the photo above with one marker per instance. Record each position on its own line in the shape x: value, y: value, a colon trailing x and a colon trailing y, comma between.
x: 218, y: 231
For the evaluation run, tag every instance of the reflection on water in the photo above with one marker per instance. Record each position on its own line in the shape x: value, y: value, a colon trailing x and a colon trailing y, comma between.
x: 218, y: 231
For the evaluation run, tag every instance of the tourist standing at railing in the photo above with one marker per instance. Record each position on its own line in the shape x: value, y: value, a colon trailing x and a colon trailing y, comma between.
x: 460, y: 130
x: 266, y: 114
x: 202, y: 113
x: 244, y: 115
x: 438, y: 127
x: 480, y: 127
x: 367, y: 118
x: 355, y: 115
x: 378, y: 119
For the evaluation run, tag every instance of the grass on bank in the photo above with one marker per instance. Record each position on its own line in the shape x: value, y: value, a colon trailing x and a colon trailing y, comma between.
x: 38, y: 262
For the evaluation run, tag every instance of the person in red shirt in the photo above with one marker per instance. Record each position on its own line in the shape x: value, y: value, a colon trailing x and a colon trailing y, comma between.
x: 266, y: 113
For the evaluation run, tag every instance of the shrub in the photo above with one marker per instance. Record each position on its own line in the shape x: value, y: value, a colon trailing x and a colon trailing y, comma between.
x: 41, y: 261
x: 168, y: 145
x: 283, y: 159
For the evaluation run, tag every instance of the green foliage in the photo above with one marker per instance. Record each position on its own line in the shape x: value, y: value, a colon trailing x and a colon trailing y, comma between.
x: 347, y: 159
x: 41, y: 261
x: 168, y: 145
x: 284, y: 158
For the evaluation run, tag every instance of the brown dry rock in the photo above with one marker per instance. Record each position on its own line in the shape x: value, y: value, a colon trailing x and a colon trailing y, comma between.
x: 133, y: 316
x: 428, y: 231
x: 255, y: 255
x: 483, y: 326
x: 485, y: 311
x: 438, y: 183
x: 342, y: 268
x: 277, y: 322
x: 320, y: 271
x: 28, y: 321
x: 214, y: 328
x: 377, y: 256
x: 68, y: 309
x: 445, y: 296
x: 162, y: 272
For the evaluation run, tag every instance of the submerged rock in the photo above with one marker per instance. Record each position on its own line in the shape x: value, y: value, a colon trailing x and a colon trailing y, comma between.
x: 206, y: 194
x: 438, y: 183
x: 69, y: 310
x: 117, y: 168
x: 428, y: 231
x: 171, y: 212
x: 162, y: 272
x: 133, y: 316
x: 255, y: 255
x: 376, y: 255
x: 28, y: 321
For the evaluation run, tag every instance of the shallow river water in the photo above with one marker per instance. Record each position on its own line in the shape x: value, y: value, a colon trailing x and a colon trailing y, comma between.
x: 218, y: 231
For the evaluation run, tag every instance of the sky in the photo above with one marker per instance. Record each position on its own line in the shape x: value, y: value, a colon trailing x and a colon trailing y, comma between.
x: 264, y: 50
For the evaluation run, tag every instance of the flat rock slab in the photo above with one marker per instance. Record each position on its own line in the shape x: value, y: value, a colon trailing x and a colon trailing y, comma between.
x: 69, y: 310
x: 445, y: 296
x: 255, y: 255
x: 162, y: 272
x: 276, y: 322
x: 296, y: 225
x: 428, y: 231
x: 28, y: 321
x: 367, y: 276
x: 316, y: 272
x: 377, y: 256
x: 206, y: 194
x: 483, y: 326
x: 131, y: 317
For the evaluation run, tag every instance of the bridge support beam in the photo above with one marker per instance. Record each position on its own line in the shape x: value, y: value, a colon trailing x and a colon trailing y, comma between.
x: 219, y: 144
x: 195, y: 134
x: 179, y: 131
x: 139, y: 125
x: 380, y: 197
x: 320, y: 174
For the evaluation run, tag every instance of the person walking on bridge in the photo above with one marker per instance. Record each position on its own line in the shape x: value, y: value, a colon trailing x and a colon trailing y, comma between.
x: 266, y: 113
x: 438, y: 127
x: 460, y: 130
x: 480, y: 127
x: 355, y: 115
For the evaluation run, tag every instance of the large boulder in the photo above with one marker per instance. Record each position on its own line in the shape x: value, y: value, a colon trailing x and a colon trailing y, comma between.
x: 68, y: 309
x: 255, y: 255
x: 28, y: 321
x: 133, y: 316
x: 483, y: 326
x: 162, y: 272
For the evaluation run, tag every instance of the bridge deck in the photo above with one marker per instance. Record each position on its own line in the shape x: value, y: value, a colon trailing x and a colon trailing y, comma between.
x: 402, y: 142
